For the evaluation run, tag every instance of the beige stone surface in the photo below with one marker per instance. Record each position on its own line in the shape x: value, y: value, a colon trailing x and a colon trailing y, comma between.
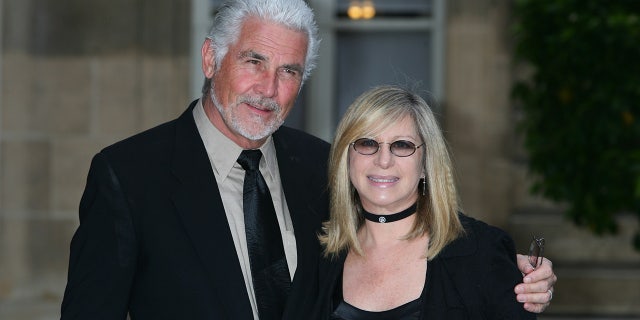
x: 13, y: 253
x: 70, y: 162
x: 25, y: 171
x: 164, y: 88
x: 104, y: 76
x: 18, y: 99
x: 611, y: 291
x: 478, y: 119
x: 48, y: 253
x: 63, y: 95
x: 117, y: 94
x: 568, y: 244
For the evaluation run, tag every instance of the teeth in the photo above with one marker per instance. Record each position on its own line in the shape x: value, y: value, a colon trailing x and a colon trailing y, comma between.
x: 382, y: 180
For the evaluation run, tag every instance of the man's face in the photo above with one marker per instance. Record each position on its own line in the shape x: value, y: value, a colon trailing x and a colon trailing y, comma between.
x: 257, y: 82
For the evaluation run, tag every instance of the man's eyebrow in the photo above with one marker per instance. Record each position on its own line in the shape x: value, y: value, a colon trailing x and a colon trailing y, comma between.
x: 252, y: 54
x: 295, y: 67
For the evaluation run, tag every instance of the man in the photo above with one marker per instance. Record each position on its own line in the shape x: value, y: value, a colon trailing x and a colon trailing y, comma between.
x: 162, y: 229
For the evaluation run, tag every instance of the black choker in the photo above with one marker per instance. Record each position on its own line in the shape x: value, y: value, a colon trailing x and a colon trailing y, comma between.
x: 390, y: 217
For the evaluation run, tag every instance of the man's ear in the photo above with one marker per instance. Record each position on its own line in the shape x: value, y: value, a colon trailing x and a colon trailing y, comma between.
x: 208, y: 59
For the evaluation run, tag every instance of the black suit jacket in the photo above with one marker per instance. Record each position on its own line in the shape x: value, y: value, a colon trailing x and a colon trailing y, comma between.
x: 472, y: 278
x: 153, y: 239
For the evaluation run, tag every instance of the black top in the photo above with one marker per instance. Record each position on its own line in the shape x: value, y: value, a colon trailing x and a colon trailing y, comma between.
x: 345, y: 311
x: 471, y: 279
x: 407, y: 311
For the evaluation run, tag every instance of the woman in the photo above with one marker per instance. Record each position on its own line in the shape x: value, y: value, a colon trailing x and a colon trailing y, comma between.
x: 396, y: 246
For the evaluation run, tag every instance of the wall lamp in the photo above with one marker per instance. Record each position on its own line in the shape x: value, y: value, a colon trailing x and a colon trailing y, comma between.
x: 361, y: 10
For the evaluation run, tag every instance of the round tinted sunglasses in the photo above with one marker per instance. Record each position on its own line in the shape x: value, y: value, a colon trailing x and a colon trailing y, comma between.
x: 399, y: 148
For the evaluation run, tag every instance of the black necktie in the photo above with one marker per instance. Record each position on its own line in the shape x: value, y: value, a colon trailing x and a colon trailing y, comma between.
x: 271, y: 280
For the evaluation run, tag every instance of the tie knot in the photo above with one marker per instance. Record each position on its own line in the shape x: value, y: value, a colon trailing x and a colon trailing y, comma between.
x: 250, y: 159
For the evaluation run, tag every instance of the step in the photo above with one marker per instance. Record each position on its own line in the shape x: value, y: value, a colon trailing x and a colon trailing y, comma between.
x: 567, y: 243
x: 599, y: 276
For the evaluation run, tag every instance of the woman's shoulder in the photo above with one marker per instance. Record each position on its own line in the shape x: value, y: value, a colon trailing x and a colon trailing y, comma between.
x: 478, y: 230
x: 478, y: 239
x: 483, y: 266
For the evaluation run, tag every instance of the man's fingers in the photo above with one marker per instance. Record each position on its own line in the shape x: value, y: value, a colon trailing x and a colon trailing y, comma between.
x: 538, y: 287
x: 535, y: 308
x: 537, y: 290
x: 543, y: 273
x: 523, y: 264
x: 536, y: 302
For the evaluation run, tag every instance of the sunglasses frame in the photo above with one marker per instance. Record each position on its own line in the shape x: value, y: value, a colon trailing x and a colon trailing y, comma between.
x: 415, y: 147
x: 536, y: 251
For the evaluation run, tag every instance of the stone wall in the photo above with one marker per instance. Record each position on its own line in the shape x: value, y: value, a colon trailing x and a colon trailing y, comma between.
x: 480, y: 118
x: 75, y: 76
x: 478, y: 112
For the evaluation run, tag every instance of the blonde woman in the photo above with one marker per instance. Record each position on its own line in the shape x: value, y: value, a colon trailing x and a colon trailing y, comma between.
x: 396, y: 245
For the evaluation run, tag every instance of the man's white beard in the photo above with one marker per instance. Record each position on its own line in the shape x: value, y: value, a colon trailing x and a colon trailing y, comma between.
x: 253, y: 128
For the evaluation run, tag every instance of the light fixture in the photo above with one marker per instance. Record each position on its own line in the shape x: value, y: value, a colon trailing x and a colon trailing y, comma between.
x: 368, y: 10
x: 361, y: 10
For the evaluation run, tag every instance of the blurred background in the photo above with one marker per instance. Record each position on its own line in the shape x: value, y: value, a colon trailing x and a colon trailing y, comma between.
x: 538, y: 101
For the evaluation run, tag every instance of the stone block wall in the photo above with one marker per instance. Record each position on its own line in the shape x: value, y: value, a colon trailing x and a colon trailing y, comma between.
x: 75, y: 76
x: 478, y: 112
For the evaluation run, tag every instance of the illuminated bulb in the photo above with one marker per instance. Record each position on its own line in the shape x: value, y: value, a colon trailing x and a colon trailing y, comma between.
x: 355, y: 11
x: 368, y: 10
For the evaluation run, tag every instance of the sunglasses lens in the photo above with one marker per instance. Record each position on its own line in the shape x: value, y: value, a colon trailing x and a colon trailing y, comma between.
x: 535, y: 252
x: 366, y: 146
x: 403, y: 148
x: 533, y: 260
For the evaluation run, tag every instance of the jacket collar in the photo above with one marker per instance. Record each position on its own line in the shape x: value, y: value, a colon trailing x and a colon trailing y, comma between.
x: 199, y: 205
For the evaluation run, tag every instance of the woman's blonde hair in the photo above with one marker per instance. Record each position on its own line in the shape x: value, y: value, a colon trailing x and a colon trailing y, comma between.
x: 437, y: 210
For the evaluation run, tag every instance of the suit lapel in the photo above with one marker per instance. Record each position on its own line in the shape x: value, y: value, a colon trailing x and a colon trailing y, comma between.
x: 199, y: 205
x: 302, y: 199
x: 307, y: 205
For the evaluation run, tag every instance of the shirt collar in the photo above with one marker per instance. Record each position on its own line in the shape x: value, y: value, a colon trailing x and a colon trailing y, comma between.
x: 223, y: 153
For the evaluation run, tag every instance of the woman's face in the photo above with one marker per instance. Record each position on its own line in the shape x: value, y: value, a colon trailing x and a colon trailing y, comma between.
x: 385, y: 182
